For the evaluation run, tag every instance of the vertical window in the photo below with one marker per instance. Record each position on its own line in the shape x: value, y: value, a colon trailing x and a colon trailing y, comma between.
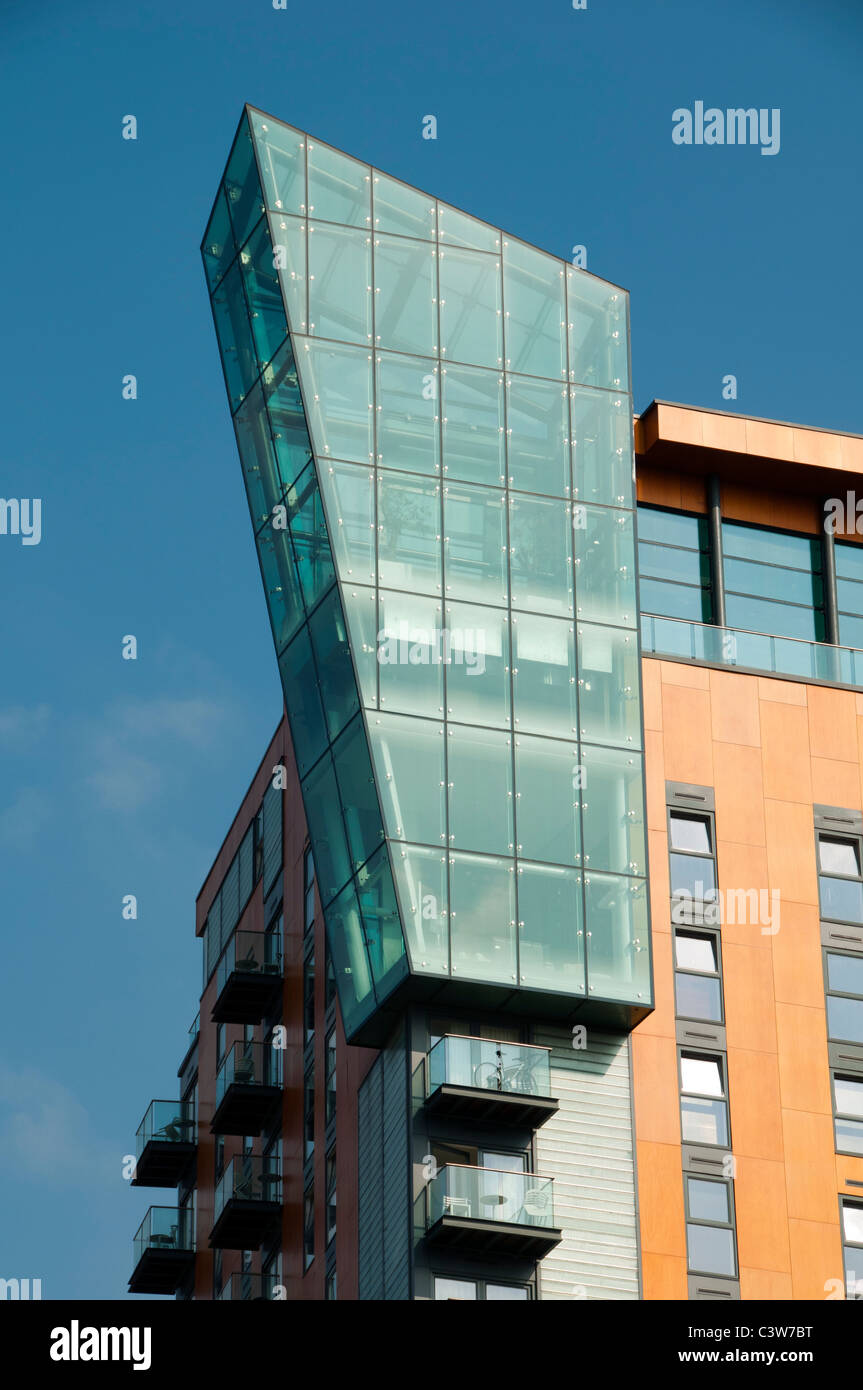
x: 309, y: 996
x: 331, y: 1195
x: 844, y: 996
x: 309, y: 1225
x: 839, y: 881
x: 692, y: 865
x: 849, y: 587
x: 258, y: 844
x: 674, y: 565
x: 330, y: 981
x: 218, y: 1279
x: 331, y: 1287
x: 308, y: 890
x: 710, y: 1227
x: 852, y: 1238
x: 331, y: 1075
x: 220, y: 1042
x: 848, y: 1113
x: 773, y: 581
x: 219, y: 1155
x: 309, y: 1112
x: 697, y: 978
x: 703, y: 1104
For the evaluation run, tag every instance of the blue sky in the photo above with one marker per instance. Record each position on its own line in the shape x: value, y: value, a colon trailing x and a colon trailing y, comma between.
x: 122, y: 777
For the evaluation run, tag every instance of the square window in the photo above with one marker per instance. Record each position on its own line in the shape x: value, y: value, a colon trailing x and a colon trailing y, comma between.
x: 695, y: 951
x: 708, y: 1201
x: 852, y: 1221
x: 711, y: 1249
x: 701, y: 1075
x: 454, y: 1288
x: 698, y: 996
x: 837, y: 856
x: 690, y: 833
x: 845, y: 973
x: 848, y: 1091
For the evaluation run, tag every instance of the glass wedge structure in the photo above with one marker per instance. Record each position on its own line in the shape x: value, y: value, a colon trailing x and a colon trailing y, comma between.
x: 435, y: 429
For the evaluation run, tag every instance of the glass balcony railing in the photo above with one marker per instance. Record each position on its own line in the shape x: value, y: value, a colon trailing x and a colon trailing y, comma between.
x: 246, y: 1288
x: 166, y: 1122
x: 753, y: 651
x: 491, y: 1194
x: 195, y: 1030
x: 249, y: 1178
x: 488, y: 1065
x: 248, y: 1064
x: 249, y: 953
x: 164, y: 1229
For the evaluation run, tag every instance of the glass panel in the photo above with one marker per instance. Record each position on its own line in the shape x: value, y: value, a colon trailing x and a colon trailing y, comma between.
x: 339, y: 187
x: 473, y: 430
x: 408, y: 414
x: 421, y: 880
x: 405, y: 295
x: 475, y: 541
x: 409, y: 760
x: 708, y: 1201
x: 483, y: 918
x: 490, y: 1064
x: 548, y: 778
x: 852, y: 1221
x: 671, y: 528
x: 460, y: 230
x: 350, y: 959
x: 401, y: 209
x: 596, y: 312
x: 849, y: 1095
x: 841, y: 899
x: 333, y: 662
x: 337, y: 387
x: 517, y: 1198
x: 287, y: 417
x: 409, y: 526
x: 701, y: 1075
x: 326, y: 829
x: 302, y: 697
x: 537, y: 436
x: 667, y: 562
x: 540, y: 556
x: 477, y: 665
x: 604, y: 566
x: 281, y: 585
x: 380, y: 915
x: 350, y: 497
x: 783, y: 619
x: 849, y: 1136
x: 340, y: 275
x: 236, y: 344
x: 703, y: 1121
x: 470, y: 308
x: 506, y: 1291
x: 535, y: 311
x: 361, y: 611
x: 771, y: 581
x: 544, y: 681
x: 359, y: 797
x: 675, y: 601
x: 837, y: 856
x: 845, y: 973
x: 609, y: 686
x: 693, y: 876
x: 550, y: 929
x: 602, y: 456
x: 242, y: 190
x: 849, y: 560
x: 851, y: 634
x: 694, y: 951
x: 690, y: 832
x: 618, y: 953
x: 309, y: 535
x: 411, y: 674
x: 263, y: 485
x: 290, y: 257
x: 459, y: 1289
x: 850, y: 596
x: 770, y: 547
x: 282, y: 157
x: 711, y: 1249
x: 266, y: 310
x: 218, y: 247
x: 698, y: 996
x: 613, y: 800
x: 480, y: 790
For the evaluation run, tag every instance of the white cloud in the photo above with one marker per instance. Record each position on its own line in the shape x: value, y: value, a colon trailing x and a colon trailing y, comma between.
x: 45, y: 1132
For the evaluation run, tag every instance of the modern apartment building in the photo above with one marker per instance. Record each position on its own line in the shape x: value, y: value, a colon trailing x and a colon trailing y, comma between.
x: 533, y: 959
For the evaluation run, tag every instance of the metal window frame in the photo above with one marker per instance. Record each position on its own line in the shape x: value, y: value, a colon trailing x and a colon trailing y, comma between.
x: 721, y: 1059
x: 838, y: 1114
x: 729, y: 1225
x: 826, y: 952
x: 715, y: 935
x: 481, y: 1284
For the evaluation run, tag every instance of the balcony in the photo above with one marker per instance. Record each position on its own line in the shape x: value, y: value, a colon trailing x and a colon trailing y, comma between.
x: 248, y: 1288
x: 165, y: 1144
x: 248, y: 1203
x: 739, y: 650
x: 482, y: 1081
x: 164, y: 1251
x: 248, y: 1088
x: 489, y: 1213
x: 248, y: 977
